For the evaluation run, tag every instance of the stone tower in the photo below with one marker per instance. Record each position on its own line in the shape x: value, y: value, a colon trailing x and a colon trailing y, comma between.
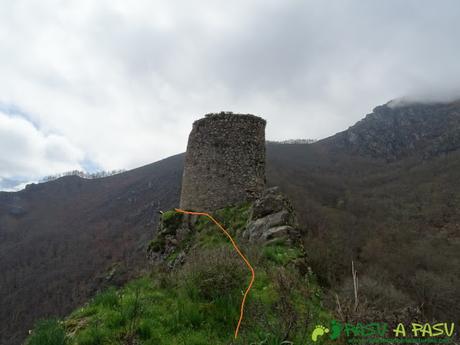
x: 225, y: 161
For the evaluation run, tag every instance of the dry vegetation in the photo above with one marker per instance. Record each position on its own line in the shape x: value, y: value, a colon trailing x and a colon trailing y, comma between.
x: 399, y: 222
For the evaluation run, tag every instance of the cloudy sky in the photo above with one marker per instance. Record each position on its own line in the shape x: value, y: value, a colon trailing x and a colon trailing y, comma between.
x: 116, y: 84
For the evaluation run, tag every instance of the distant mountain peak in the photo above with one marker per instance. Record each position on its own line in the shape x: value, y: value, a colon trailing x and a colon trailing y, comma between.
x: 410, y: 101
x: 414, y: 129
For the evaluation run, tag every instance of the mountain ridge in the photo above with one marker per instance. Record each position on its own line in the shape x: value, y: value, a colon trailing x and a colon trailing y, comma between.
x: 395, y: 132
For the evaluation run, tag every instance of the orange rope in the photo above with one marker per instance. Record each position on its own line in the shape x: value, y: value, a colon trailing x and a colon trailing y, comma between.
x: 253, y: 274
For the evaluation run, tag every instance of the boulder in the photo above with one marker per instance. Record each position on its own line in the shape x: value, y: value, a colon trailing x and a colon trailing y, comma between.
x: 278, y: 232
x: 272, y: 217
x: 271, y: 201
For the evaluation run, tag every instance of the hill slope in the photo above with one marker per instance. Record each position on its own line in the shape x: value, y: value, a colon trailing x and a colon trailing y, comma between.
x: 383, y: 192
x: 390, y: 201
x: 193, y: 294
x: 63, y: 240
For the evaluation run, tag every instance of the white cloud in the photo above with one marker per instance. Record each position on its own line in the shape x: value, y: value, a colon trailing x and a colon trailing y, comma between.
x: 123, y: 81
x: 26, y: 153
x: 6, y: 186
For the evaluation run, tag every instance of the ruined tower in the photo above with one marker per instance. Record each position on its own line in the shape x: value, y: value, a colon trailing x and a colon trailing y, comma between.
x: 225, y: 161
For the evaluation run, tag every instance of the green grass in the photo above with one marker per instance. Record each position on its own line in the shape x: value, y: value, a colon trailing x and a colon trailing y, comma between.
x: 281, y: 254
x: 233, y: 219
x: 48, y: 332
x: 151, y: 314
x: 199, y: 302
x: 171, y: 217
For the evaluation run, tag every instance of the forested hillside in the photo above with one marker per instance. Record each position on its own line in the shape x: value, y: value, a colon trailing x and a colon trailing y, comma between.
x: 63, y: 240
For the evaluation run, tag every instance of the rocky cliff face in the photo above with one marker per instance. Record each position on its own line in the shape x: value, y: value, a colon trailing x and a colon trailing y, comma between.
x: 272, y: 219
x: 394, y: 131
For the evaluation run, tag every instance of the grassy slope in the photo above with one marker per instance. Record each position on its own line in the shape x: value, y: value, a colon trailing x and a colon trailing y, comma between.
x: 198, y: 303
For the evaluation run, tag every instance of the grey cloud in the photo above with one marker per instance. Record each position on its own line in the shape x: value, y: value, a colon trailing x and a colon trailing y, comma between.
x: 26, y: 153
x: 123, y: 81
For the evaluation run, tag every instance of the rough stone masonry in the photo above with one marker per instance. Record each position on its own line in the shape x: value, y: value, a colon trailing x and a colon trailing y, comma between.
x: 224, y: 162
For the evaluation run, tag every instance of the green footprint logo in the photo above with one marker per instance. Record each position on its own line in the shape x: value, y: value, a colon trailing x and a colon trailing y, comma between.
x: 318, y: 331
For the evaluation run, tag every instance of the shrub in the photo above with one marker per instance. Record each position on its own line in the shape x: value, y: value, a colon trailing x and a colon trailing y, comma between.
x: 107, y: 299
x: 382, y: 295
x: 156, y: 245
x: 212, y: 273
x: 145, y: 329
x: 377, y: 299
x: 234, y: 218
x: 48, y: 332
x: 439, y: 294
x: 92, y: 336
x: 329, y: 257
x: 288, y: 312
x: 171, y: 221
x: 114, y: 319
x: 280, y: 254
x: 188, y: 315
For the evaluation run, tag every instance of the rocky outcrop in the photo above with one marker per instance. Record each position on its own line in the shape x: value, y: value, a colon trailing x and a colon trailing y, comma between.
x: 268, y: 220
x: 169, y: 242
x: 394, y: 131
x: 272, y: 219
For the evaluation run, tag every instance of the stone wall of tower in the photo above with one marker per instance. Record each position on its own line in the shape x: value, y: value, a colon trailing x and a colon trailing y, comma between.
x: 225, y: 161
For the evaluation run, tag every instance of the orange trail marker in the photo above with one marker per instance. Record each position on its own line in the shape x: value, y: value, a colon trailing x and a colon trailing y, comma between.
x: 246, y: 261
